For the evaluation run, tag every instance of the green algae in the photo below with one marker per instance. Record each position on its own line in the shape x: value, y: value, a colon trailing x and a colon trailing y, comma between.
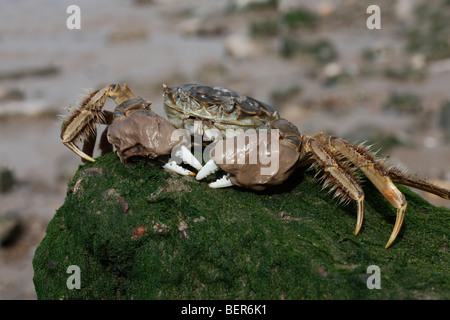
x: 180, y: 239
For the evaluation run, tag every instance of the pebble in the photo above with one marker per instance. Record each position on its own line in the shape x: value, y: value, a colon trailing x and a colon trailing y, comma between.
x: 6, y: 180
x: 240, y: 46
x: 444, y: 118
x: 9, y: 228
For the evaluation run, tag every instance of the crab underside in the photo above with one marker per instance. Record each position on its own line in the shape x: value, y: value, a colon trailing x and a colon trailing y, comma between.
x: 245, y: 138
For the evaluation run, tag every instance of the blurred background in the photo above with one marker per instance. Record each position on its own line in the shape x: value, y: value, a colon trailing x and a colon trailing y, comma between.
x: 315, y: 61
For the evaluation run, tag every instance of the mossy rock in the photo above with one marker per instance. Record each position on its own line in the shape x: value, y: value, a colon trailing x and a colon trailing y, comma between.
x: 140, y: 232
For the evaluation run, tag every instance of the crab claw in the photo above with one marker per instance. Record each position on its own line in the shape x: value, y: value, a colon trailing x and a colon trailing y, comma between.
x: 360, y: 214
x: 398, y: 224
x: 77, y: 151
x: 81, y: 123
x: 188, y: 157
x: 223, y: 182
x: 172, y: 166
x: 207, y: 169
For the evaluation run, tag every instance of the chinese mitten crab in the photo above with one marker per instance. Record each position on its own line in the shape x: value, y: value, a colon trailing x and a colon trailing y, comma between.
x: 243, y: 134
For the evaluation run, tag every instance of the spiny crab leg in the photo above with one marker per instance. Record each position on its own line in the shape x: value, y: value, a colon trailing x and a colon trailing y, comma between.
x: 377, y: 174
x: 336, y: 176
x: 82, y: 121
x: 80, y: 153
x: 400, y: 177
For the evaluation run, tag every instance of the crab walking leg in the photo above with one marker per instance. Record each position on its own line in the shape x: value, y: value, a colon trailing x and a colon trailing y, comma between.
x: 378, y: 174
x: 208, y: 168
x: 398, y: 176
x: 81, y: 123
x: 337, y: 177
x: 174, y: 167
x: 80, y: 153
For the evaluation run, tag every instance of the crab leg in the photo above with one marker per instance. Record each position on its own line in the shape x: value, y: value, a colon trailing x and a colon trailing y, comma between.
x: 80, y: 153
x: 398, y: 176
x: 81, y: 123
x: 89, y: 142
x: 377, y: 174
x: 336, y: 176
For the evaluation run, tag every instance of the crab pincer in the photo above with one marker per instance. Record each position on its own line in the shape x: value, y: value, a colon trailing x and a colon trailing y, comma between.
x: 136, y: 132
x: 246, y: 139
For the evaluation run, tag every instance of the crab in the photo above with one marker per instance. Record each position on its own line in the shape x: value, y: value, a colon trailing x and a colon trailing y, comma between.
x: 236, y: 130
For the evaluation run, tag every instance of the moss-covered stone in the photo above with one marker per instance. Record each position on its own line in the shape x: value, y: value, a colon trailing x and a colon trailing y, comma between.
x: 140, y: 232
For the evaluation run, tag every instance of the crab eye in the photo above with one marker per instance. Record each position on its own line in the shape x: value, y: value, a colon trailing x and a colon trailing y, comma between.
x: 113, y: 87
x: 228, y: 107
x: 182, y: 95
x: 146, y: 105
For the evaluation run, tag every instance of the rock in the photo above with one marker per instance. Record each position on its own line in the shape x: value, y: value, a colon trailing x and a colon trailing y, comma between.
x: 130, y: 34
x: 35, y: 107
x: 143, y: 2
x: 241, y: 46
x: 386, y: 139
x: 15, y: 94
x: 6, y: 180
x: 405, y: 103
x: 322, y: 50
x: 181, y: 239
x: 252, y: 4
x: 438, y: 67
x: 404, y: 9
x: 197, y: 26
x: 10, y: 228
x: 300, y: 18
x: 444, y: 118
x: 31, y: 71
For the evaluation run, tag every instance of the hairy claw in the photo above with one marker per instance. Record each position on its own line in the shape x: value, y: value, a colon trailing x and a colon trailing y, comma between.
x: 81, y: 123
x: 398, y: 224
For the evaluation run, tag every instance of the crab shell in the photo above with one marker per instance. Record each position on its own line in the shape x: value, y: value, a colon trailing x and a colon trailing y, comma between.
x: 140, y: 134
x: 219, y: 109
